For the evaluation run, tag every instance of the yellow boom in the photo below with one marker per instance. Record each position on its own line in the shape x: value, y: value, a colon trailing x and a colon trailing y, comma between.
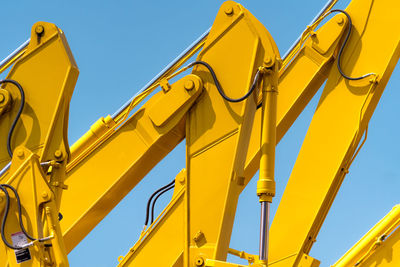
x: 237, y: 103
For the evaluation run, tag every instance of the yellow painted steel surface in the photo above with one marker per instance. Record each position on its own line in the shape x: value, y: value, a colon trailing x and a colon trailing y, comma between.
x: 296, y: 97
x: 170, y: 225
x: 338, y: 124
x: 136, y: 147
x: 40, y: 214
x: 215, y: 127
x: 39, y: 127
x: 386, y: 254
x: 222, y: 139
x: 375, y: 247
x: 219, y: 131
x: 42, y: 129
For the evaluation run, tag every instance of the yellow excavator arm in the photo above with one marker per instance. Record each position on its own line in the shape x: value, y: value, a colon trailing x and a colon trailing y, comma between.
x: 237, y: 103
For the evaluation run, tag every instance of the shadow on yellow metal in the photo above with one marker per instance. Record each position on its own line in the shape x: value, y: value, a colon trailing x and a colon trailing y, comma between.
x: 137, y: 146
x: 216, y: 128
x: 47, y: 73
x: 218, y: 131
x: 39, y: 213
x: 232, y: 23
x: 223, y: 141
x: 336, y: 129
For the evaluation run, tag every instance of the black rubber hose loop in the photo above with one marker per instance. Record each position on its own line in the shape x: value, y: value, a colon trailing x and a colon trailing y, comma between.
x: 21, y: 107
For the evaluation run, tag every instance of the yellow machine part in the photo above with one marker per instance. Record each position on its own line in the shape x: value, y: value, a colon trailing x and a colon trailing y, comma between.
x: 386, y: 254
x: 40, y: 215
x: 336, y: 129
x: 223, y: 138
x: 43, y: 124
x: 294, y: 95
x: 216, y: 131
x: 379, y: 246
x: 137, y: 146
x: 47, y: 73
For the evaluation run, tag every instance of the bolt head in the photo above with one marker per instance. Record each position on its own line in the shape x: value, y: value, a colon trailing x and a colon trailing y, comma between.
x: 39, y: 29
x: 45, y: 195
x: 267, y: 61
x: 189, y: 85
x: 229, y: 11
x: 340, y: 21
x: 20, y: 153
x: 58, y: 154
x: 5, y: 98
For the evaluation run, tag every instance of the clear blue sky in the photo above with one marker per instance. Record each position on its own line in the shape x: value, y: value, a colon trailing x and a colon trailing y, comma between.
x: 120, y: 45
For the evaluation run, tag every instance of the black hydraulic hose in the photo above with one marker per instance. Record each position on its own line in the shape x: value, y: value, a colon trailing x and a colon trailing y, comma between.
x: 155, y: 200
x: 21, y: 107
x: 21, y: 224
x: 349, y: 26
x: 219, y: 87
x: 3, y: 223
x: 7, y: 209
x: 344, y: 45
x: 150, y: 199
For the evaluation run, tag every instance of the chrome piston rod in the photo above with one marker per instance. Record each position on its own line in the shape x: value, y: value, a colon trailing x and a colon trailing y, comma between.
x: 14, y: 53
x: 265, y: 204
x: 5, y: 169
x: 264, y: 230
x: 264, y: 207
x: 3, y: 63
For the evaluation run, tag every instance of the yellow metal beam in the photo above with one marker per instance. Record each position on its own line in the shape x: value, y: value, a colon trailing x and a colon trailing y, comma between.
x: 296, y: 91
x: 336, y: 129
x: 39, y: 215
x: 114, y: 167
x: 370, y: 247
x: 43, y: 124
x: 47, y: 73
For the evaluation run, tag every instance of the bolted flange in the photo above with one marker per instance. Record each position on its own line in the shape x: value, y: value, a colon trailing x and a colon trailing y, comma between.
x: 39, y: 30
